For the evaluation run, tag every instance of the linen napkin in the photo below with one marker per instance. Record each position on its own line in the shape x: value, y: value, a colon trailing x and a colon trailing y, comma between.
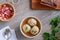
x: 13, y: 35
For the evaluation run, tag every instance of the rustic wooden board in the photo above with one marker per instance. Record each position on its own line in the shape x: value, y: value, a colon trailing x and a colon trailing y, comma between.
x: 35, y: 4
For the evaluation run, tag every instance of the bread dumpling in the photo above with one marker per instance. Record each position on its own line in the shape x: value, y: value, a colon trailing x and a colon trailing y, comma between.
x: 26, y: 28
x: 32, y: 22
x: 34, y: 30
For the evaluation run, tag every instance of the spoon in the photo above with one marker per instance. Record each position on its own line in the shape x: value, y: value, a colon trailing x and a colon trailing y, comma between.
x: 7, y: 34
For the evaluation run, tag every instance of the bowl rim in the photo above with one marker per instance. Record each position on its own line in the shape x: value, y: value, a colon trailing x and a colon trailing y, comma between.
x: 13, y: 9
x: 27, y: 35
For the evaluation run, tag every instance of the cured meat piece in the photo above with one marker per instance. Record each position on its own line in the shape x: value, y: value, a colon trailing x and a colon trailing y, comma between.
x: 7, y: 14
x: 5, y: 9
x: 50, y: 3
x: 0, y: 13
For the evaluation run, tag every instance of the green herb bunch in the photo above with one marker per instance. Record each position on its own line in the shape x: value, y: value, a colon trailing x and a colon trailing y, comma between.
x: 55, y: 27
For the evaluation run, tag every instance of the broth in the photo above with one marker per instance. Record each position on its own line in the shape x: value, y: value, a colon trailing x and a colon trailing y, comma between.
x: 26, y: 21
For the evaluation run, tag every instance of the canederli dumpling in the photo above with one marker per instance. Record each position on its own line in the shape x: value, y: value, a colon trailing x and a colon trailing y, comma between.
x: 32, y: 22
x: 26, y: 28
x: 34, y: 30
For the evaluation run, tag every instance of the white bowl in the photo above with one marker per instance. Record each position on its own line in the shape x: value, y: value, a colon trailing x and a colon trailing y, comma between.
x: 27, y: 35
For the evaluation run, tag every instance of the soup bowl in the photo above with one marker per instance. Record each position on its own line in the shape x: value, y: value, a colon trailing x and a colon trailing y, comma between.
x: 28, y: 34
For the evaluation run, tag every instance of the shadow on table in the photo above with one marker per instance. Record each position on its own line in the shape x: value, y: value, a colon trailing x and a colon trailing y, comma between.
x: 16, y: 26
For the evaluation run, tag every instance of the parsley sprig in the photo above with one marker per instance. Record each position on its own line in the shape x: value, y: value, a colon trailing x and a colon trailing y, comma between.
x: 55, y: 26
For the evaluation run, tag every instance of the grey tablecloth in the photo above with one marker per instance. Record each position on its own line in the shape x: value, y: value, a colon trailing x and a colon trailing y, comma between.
x: 23, y: 10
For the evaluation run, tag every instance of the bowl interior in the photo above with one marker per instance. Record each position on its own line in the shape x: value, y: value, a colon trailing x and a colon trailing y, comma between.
x: 9, y: 5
